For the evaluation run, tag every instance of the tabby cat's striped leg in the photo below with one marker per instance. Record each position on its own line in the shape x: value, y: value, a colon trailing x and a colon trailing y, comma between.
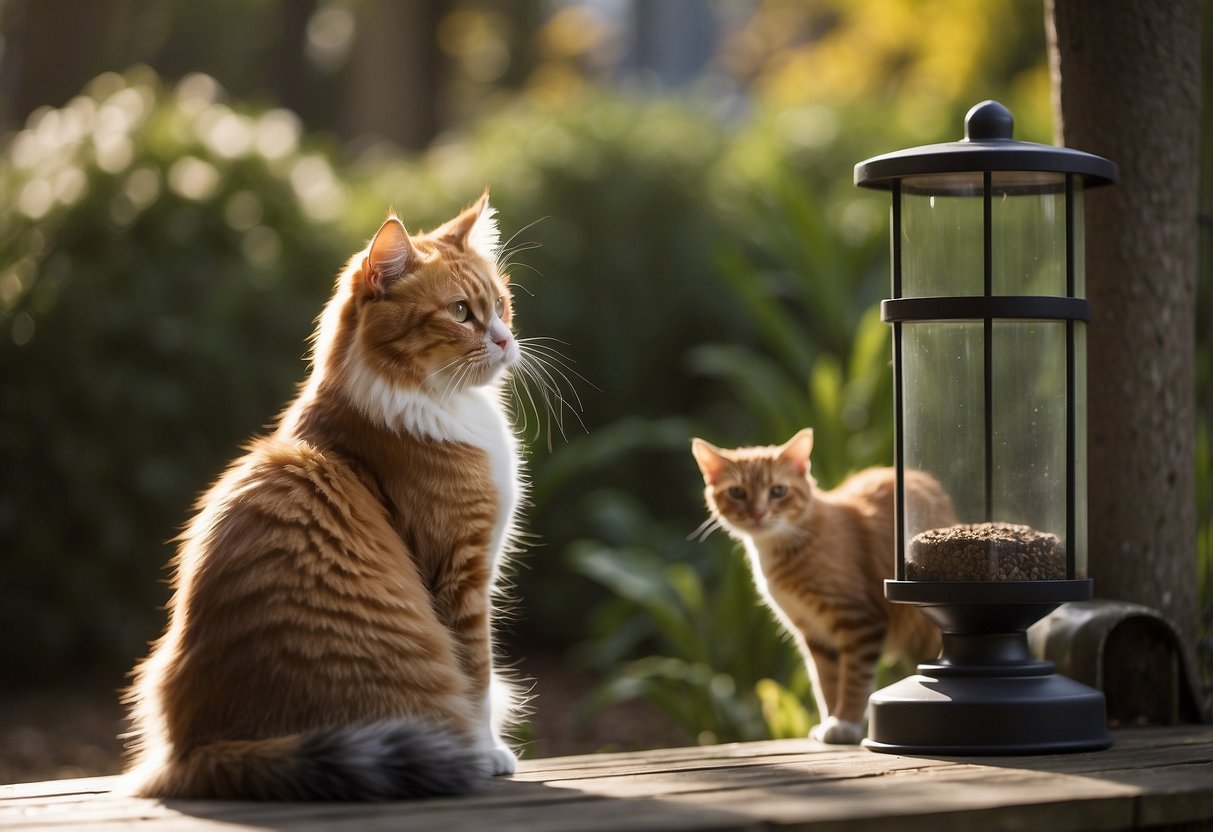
x: 824, y: 660
x: 858, y: 651
x: 463, y: 600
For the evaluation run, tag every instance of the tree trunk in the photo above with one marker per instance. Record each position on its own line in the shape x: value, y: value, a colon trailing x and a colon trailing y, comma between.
x: 1126, y: 85
x: 393, y: 80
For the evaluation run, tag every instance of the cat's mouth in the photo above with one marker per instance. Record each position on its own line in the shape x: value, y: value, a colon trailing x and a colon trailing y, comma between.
x: 762, y: 525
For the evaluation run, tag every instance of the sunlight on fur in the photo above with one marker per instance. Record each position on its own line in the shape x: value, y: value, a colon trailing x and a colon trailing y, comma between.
x: 819, y: 559
x: 330, y: 634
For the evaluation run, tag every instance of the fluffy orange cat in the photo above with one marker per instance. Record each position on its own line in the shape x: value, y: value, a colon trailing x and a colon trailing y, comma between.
x: 819, y: 559
x: 329, y: 635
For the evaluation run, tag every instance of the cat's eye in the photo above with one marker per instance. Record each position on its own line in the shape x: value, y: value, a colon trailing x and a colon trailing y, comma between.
x: 500, y: 307
x: 737, y: 492
x: 458, y: 310
x: 778, y: 491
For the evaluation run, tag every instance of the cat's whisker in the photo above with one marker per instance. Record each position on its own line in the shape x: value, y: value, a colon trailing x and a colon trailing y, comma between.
x: 547, y: 392
x: 516, y: 285
x: 508, y: 253
x: 455, y: 360
x: 450, y: 378
x: 511, y: 264
x: 541, y: 414
x: 705, y: 529
x: 545, y: 370
x: 556, y: 359
x: 519, y: 389
x: 505, y: 247
x: 546, y: 376
x: 522, y: 405
x: 455, y: 384
x: 533, y: 338
x: 551, y: 394
x: 554, y: 355
x: 554, y: 364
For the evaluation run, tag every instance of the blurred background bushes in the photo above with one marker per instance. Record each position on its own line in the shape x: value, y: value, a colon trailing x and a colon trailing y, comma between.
x: 168, y: 235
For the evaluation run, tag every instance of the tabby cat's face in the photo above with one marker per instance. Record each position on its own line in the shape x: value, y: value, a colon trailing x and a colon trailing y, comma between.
x: 757, y: 490
x: 432, y: 310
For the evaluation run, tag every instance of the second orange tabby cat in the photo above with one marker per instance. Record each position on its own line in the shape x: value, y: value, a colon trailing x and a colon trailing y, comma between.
x: 819, y: 559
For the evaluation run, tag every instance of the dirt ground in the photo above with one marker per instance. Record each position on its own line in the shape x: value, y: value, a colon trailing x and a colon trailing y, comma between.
x: 72, y: 730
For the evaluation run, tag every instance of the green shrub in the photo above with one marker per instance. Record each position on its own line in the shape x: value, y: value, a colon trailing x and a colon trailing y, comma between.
x: 685, y: 631
x: 162, y: 256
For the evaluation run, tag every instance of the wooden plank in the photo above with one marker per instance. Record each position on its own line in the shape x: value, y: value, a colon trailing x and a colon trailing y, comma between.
x: 589, y: 813
x: 49, y: 788
x: 1170, y: 794
x: 836, y: 764
x: 938, y: 800
x: 1149, y: 777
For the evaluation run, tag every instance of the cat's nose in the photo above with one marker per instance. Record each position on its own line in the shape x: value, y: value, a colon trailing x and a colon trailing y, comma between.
x: 502, y: 342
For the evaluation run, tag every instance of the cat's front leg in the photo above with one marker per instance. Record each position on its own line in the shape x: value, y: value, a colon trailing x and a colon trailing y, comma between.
x: 858, y: 653
x: 499, y: 702
x: 494, y: 699
x: 823, y: 672
x: 831, y: 729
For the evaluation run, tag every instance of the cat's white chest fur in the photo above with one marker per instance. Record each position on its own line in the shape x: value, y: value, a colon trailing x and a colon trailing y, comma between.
x: 789, y: 607
x: 473, y: 416
x: 478, y: 420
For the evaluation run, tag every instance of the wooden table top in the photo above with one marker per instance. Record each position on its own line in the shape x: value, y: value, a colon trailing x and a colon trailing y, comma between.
x: 1150, y: 778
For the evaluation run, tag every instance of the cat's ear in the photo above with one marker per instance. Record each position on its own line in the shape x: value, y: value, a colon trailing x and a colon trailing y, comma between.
x: 797, y: 449
x: 711, y: 461
x: 475, y: 229
x: 389, y: 257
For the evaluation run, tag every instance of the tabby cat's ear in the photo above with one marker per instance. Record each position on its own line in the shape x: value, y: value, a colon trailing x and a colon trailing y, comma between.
x: 711, y: 462
x: 475, y: 229
x: 389, y: 257
x: 797, y: 449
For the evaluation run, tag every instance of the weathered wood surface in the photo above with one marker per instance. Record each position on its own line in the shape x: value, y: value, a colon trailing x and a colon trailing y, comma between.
x: 1155, y: 777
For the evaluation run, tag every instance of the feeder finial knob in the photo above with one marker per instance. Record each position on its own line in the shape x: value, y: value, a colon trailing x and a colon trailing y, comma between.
x: 988, y: 121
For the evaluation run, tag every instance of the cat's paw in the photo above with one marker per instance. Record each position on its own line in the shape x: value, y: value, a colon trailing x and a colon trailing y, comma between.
x: 837, y: 731
x: 502, y: 760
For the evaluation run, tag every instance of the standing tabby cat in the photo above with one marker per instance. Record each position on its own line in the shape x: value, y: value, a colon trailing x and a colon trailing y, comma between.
x: 819, y: 559
x: 329, y: 635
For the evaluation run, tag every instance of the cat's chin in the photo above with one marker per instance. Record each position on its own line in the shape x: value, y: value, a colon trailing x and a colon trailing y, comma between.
x: 761, y: 528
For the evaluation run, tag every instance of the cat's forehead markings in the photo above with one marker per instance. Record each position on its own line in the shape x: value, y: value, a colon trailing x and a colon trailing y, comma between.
x: 476, y: 282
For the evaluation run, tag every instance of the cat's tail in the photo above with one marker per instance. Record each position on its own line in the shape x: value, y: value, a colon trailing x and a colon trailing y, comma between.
x: 390, y: 760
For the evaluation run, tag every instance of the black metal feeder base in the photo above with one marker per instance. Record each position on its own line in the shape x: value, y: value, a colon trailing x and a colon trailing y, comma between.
x: 987, y: 694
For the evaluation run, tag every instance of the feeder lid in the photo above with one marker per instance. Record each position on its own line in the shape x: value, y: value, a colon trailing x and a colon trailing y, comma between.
x: 987, y: 146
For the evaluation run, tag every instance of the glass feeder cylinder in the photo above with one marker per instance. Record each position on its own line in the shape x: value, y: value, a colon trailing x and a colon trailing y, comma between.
x: 989, y: 351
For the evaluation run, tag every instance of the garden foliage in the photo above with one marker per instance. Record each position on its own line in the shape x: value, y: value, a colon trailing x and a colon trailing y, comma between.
x: 164, y: 251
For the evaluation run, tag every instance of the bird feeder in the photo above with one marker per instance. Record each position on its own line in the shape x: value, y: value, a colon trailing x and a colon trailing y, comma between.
x: 989, y: 317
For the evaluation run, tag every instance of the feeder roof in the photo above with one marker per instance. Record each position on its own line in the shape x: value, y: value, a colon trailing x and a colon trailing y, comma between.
x: 987, y: 146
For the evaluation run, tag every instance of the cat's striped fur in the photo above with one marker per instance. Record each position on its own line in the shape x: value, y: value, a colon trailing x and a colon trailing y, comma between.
x: 330, y: 629
x: 819, y: 559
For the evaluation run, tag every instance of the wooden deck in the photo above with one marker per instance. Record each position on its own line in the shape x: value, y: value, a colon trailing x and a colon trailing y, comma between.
x: 1151, y: 778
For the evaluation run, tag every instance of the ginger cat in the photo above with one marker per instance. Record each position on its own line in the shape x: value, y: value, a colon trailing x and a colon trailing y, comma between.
x: 819, y: 559
x: 329, y: 635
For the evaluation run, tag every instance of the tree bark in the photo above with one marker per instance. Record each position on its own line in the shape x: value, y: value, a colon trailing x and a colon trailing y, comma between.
x: 394, y: 77
x: 1126, y: 80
